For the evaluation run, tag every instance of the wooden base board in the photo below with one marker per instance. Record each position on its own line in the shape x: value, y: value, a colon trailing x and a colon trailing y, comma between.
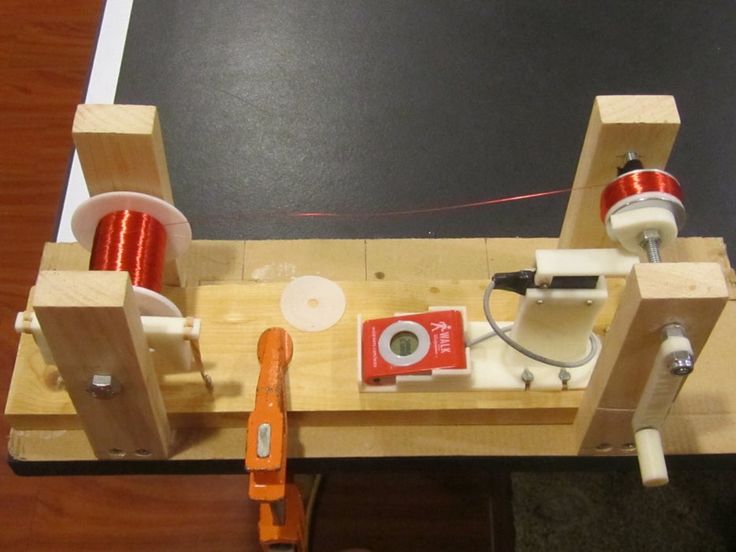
x: 330, y: 418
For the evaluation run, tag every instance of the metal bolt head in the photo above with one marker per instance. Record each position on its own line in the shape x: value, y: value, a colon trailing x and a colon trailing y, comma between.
x: 103, y: 386
x: 564, y: 375
x: 680, y: 363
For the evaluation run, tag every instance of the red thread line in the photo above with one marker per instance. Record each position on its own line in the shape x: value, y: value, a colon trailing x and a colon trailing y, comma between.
x: 426, y: 210
x: 134, y: 242
x: 403, y: 212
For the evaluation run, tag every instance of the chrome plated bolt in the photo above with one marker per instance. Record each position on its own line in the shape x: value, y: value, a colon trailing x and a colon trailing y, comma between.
x: 680, y: 363
x: 103, y: 386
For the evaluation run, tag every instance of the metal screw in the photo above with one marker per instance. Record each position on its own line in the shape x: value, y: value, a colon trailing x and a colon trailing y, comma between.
x: 650, y: 240
x: 680, y: 363
x: 628, y: 447
x: 565, y: 377
x: 588, y: 302
x: 103, y: 386
x: 527, y: 376
x: 540, y: 301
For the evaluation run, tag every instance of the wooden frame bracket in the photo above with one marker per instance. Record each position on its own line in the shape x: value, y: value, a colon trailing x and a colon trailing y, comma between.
x: 121, y: 149
x: 691, y: 294
x: 94, y: 331
x: 647, y: 125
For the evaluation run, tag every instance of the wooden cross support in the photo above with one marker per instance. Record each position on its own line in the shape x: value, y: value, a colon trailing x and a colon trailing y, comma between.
x: 94, y: 331
x: 690, y: 294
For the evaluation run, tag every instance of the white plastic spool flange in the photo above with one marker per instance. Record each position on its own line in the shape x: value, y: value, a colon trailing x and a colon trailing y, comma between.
x: 178, y: 235
x: 627, y: 219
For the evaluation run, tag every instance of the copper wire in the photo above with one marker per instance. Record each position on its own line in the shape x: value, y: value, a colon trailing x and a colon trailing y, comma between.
x: 638, y: 182
x: 134, y: 242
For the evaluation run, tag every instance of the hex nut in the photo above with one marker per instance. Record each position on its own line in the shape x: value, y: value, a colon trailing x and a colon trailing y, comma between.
x: 680, y: 363
x: 103, y: 386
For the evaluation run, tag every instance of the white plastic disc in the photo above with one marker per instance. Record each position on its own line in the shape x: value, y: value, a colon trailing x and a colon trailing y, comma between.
x: 87, y: 216
x: 151, y: 303
x: 312, y: 303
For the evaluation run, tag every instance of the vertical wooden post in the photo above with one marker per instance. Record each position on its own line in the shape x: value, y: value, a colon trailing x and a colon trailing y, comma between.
x: 647, y: 125
x: 93, y: 328
x: 691, y: 294
x: 121, y: 149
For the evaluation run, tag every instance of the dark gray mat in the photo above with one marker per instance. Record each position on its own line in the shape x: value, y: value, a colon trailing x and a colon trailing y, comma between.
x: 355, y: 106
x: 612, y: 511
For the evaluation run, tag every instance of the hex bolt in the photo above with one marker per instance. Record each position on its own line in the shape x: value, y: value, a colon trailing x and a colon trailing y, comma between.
x: 103, y: 386
x: 680, y: 363
x: 650, y: 241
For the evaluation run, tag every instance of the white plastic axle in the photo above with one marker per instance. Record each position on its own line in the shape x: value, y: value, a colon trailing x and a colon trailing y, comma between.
x: 167, y: 338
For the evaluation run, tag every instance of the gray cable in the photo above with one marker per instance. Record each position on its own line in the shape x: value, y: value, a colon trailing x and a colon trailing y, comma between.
x: 489, y: 335
x: 523, y: 350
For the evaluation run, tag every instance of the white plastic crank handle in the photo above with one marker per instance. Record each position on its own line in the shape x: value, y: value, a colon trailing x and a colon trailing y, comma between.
x: 659, y: 394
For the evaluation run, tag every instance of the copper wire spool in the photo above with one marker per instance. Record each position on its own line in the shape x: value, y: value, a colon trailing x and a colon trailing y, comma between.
x: 134, y: 242
x: 638, y: 182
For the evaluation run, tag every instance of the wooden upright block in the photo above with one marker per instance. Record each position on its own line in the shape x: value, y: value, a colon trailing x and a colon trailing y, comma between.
x: 93, y: 327
x: 647, y: 125
x: 690, y: 294
x: 121, y: 149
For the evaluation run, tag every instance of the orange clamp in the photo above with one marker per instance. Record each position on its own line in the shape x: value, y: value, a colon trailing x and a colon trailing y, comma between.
x: 282, y: 510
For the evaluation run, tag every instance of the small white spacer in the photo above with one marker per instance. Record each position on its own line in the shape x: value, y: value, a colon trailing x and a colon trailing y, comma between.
x: 651, y: 457
x: 312, y: 303
x: 627, y: 227
x: 89, y: 213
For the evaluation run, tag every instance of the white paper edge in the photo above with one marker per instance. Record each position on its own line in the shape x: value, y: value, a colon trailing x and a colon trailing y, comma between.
x: 103, y: 83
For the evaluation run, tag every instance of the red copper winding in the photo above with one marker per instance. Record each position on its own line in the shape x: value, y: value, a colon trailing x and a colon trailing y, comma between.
x: 134, y: 242
x: 638, y: 182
